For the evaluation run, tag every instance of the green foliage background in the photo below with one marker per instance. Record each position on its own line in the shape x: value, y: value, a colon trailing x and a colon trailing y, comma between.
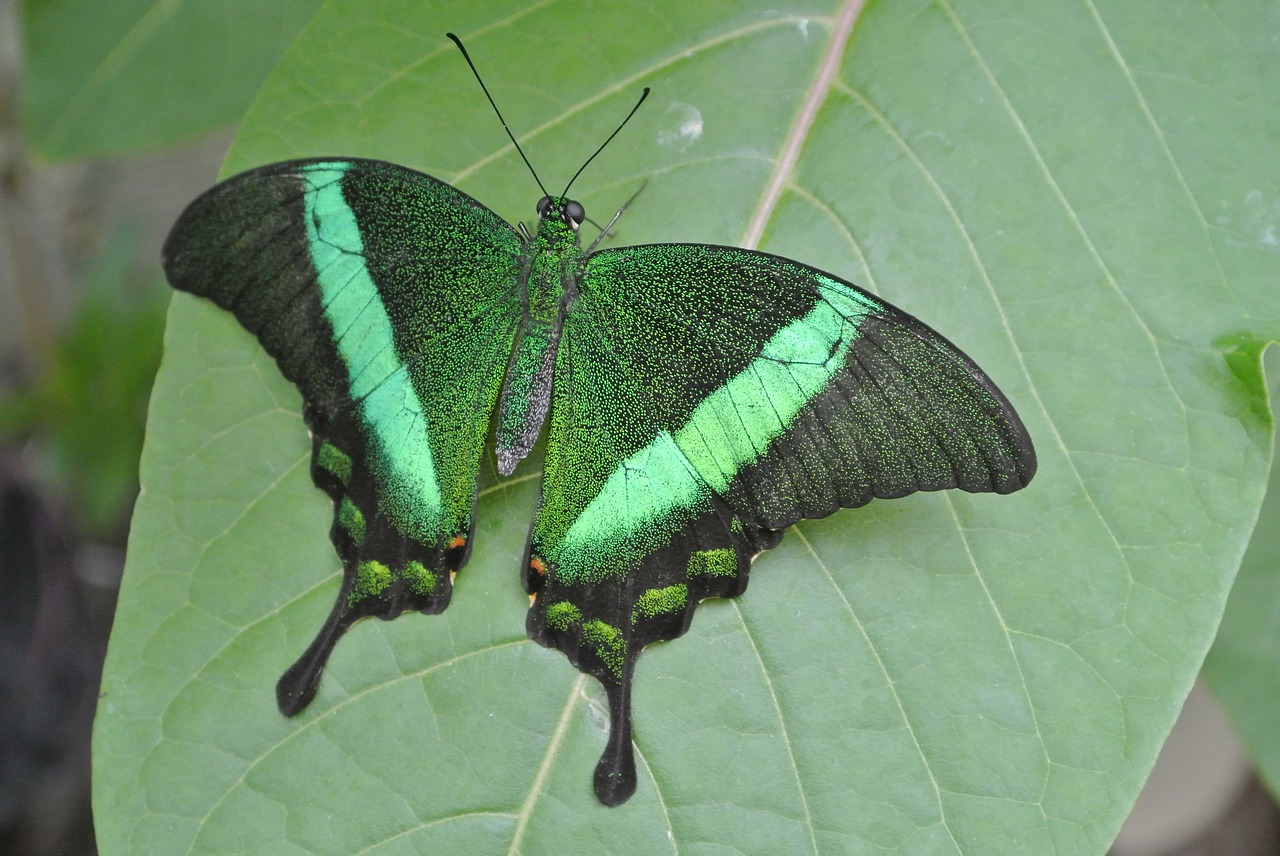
x: 1083, y: 195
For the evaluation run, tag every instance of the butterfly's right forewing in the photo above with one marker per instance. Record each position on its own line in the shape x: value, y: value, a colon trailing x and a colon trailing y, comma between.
x: 390, y: 299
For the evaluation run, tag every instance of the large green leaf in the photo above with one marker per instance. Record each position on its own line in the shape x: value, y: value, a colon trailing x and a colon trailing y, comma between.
x: 115, y: 77
x: 1083, y: 196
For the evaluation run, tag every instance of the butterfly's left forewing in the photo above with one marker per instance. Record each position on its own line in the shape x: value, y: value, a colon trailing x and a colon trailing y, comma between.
x: 390, y: 299
x: 706, y: 398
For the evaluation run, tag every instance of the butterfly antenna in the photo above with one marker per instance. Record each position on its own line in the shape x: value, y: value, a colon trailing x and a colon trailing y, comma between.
x: 643, y: 95
x: 457, y: 41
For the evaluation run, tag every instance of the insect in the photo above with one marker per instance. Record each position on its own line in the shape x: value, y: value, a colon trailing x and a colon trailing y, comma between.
x: 698, y: 400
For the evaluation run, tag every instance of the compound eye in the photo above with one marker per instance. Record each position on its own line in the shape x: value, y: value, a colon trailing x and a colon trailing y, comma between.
x: 543, y: 204
x: 575, y: 211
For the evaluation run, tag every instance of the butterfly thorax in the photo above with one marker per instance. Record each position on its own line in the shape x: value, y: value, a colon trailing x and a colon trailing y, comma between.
x: 552, y: 263
x: 553, y: 259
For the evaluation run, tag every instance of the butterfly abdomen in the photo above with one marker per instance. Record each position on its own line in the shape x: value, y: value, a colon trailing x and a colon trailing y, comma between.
x: 526, y: 392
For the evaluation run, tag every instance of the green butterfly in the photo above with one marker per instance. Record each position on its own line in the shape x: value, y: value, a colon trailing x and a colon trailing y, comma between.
x: 699, y: 400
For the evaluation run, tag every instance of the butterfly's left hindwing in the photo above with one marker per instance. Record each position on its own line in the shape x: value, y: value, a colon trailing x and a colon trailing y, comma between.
x: 389, y: 298
x: 706, y: 398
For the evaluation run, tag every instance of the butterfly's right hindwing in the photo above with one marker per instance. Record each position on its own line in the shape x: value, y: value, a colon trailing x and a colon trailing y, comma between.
x: 388, y: 298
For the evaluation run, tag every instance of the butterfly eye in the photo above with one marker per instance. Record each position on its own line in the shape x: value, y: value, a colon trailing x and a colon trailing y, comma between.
x: 543, y: 204
x: 575, y: 211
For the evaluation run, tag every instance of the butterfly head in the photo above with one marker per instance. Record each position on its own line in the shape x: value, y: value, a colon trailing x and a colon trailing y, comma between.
x: 568, y: 211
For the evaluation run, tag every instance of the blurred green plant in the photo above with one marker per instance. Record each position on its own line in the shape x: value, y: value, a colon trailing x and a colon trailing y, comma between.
x: 1243, y: 667
x: 87, y: 408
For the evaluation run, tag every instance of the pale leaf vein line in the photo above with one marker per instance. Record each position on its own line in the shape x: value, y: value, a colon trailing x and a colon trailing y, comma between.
x: 1070, y: 210
x: 782, y: 726
x: 785, y: 164
x: 544, y: 769
x: 889, y: 682
x: 1006, y: 633
x: 129, y: 46
x: 1161, y: 138
x: 622, y: 84
x: 268, y: 751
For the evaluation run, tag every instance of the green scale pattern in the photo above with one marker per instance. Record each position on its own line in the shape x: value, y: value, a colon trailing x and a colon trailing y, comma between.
x: 697, y: 399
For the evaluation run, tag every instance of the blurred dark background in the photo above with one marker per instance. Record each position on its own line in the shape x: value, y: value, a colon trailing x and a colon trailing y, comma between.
x: 82, y: 305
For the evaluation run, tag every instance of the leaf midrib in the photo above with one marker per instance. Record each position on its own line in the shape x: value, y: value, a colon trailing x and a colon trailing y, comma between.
x: 780, y: 177
x: 823, y: 83
x: 631, y: 82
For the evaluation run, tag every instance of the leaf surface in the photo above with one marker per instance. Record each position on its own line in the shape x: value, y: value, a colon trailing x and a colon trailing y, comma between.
x: 1084, y: 197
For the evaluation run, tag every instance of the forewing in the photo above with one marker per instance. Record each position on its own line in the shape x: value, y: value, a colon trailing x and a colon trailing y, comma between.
x: 389, y: 298
x: 707, y: 397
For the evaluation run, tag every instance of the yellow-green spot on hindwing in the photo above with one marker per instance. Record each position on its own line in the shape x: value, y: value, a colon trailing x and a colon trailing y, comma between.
x: 335, y: 462
x: 607, y: 642
x: 351, y: 519
x: 372, y: 579
x: 562, y: 615
x: 658, y: 601
x: 420, y: 579
x: 713, y: 563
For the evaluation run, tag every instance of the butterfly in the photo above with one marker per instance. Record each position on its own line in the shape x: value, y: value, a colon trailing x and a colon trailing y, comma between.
x: 697, y: 400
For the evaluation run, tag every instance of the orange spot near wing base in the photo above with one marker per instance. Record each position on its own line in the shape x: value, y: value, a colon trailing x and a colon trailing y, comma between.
x: 458, y: 541
x: 538, y: 565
